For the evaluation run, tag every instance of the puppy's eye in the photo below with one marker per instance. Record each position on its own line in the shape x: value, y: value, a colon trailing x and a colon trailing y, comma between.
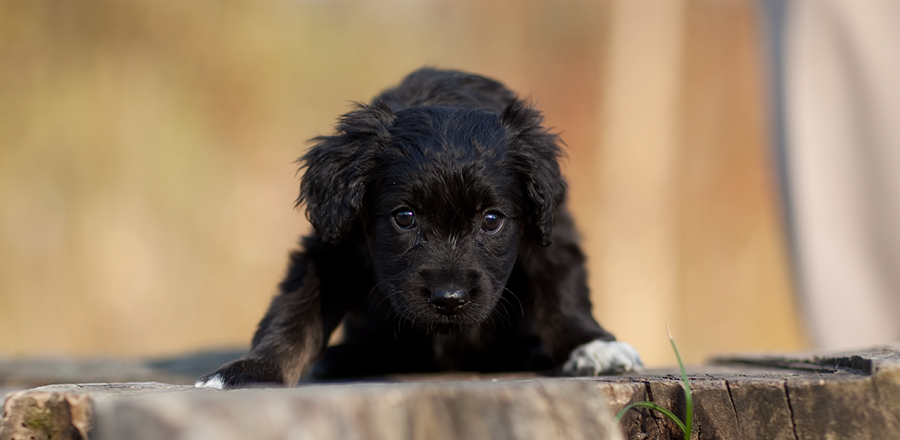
x: 404, y: 218
x: 492, y: 221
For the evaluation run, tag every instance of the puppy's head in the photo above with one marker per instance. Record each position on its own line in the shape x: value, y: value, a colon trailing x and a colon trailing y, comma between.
x: 443, y: 195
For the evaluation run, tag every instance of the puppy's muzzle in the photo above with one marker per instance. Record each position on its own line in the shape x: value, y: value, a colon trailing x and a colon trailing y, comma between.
x: 449, y: 301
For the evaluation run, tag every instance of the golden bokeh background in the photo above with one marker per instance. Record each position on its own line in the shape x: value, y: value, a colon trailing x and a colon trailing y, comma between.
x: 147, y: 178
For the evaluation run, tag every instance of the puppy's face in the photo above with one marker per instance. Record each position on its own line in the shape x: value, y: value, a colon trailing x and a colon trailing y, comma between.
x: 444, y: 217
x: 444, y: 224
x: 443, y: 195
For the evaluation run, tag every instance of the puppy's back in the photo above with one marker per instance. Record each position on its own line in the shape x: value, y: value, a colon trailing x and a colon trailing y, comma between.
x: 434, y: 87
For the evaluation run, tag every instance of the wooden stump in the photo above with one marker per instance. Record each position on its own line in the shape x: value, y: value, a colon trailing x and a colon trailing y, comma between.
x: 853, y: 396
x: 520, y: 409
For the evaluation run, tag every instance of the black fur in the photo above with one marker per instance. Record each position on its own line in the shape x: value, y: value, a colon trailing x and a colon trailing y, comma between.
x: 441, y: 241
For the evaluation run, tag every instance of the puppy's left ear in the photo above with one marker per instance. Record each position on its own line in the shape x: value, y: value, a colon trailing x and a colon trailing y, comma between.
x: 535, y: 153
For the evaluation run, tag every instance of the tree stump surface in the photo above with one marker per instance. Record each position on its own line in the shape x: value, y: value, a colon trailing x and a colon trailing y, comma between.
x: 798, y: 396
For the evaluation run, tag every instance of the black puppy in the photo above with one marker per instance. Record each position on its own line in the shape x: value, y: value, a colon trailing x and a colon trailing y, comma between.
x: 441, y: 242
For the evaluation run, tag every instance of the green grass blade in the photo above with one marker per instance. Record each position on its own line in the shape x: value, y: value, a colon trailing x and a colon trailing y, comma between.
x: 688, y: 425
x: 688, y: 400
x: 652, y: 406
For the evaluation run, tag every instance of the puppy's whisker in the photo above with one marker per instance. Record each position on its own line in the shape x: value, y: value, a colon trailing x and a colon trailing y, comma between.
x: 516, y: 297
x: 509, y: 315
x: 377, y: 307
x: 378, y: 324
x: 397, y: 328
x: 371, y: 312
x: 375, y: 289
x: 501, y: 308
x: 398, y: 320
x: 491, y: 323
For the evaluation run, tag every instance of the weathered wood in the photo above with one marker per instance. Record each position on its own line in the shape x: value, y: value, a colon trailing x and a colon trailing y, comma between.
x: 840, y: 396
x: 62, y: 411
x: 622, y: 393
x: 762, y: 408
x: 839, y: 406
x: 804, y: 396
x: 520, y: 409
x: 714, y: 413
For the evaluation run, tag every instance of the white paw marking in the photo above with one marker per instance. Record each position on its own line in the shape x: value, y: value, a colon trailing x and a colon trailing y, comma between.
x: 215, y: 381
x: 602, y: 357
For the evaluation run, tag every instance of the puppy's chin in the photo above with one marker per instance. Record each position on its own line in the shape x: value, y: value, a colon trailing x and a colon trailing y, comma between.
x: 424, y: 317
x: 445, y: 328
x: 435, y: 323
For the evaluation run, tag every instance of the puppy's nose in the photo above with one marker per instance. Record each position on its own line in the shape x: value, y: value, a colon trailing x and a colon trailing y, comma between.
x: 449, y: 301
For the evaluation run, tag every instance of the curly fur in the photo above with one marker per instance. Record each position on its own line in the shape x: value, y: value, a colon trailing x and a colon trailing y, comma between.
x: 405, y: 199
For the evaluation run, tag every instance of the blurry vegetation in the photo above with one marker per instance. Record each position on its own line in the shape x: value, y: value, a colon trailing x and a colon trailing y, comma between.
x: 146, y: 158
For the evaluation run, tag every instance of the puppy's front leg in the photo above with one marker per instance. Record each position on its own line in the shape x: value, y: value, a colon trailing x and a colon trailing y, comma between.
x: 565, y: 324
x: 572, y: 335
x: 290, y: 336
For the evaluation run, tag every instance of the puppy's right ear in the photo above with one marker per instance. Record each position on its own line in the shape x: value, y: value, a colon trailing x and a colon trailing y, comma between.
x: 333, y: 182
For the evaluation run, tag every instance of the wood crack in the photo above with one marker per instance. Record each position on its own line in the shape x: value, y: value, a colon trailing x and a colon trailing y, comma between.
x: 733, y: 407
x: 787, y: 395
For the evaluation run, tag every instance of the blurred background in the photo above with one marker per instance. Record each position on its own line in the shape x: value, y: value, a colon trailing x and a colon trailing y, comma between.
x: 147, y: 148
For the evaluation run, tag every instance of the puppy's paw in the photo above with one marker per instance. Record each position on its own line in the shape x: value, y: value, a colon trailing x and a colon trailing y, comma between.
x: 602, y: 357
x: 214, y: 380
x: 241, y: 373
